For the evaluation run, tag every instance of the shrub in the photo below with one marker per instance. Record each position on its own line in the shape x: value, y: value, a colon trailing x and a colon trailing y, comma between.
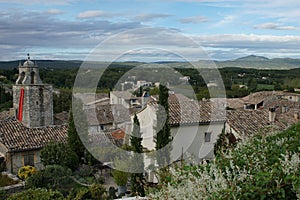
x: 26, y: 171
x: 53, y: 177
x: 37, y: 194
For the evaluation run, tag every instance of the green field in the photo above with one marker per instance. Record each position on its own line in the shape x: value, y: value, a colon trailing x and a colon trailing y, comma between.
x: 265, y: 87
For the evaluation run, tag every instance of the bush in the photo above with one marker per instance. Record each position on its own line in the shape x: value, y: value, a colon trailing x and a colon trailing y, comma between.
x: 37, y: 194
x: 260, y: 167
x: 26, y: 171
x: 53, y: 177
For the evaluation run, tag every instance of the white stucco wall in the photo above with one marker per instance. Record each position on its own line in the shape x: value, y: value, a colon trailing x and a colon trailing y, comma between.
x: 188, y: 138
x: 191, y: 139
x: 147, y: 118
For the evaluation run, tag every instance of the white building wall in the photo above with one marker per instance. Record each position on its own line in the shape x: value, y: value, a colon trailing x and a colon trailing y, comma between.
x: 188, y: 138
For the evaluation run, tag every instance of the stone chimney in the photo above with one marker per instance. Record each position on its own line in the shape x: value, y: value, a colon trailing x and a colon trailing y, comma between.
x: 272, y: 115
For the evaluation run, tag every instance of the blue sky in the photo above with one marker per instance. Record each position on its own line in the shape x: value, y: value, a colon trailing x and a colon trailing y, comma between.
x: 224, y: 29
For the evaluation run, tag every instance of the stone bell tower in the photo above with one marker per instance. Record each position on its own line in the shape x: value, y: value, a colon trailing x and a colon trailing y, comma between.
x: 32, y: 100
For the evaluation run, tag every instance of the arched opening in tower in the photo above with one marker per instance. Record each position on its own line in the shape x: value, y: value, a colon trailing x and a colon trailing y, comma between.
x: 32, y: 77
x: 22, y: 76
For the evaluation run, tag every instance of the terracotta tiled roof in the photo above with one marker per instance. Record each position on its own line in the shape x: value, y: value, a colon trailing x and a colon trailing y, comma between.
x: 258, y: 97
x: 249, y: 122
x: 183, y: 110
x: 191, y: 112
x: 285, y: 110
x: 16, y: 137
x: 107, y: 137
x: 108, y: 114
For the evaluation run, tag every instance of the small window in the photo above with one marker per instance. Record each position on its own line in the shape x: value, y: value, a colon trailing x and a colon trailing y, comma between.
x: 207, y: 137
x: 29, y: 159
x: 32, y: 77
x: 37, y: 103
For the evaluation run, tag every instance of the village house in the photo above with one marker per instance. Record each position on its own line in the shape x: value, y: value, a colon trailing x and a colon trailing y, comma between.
x: 195, y: 126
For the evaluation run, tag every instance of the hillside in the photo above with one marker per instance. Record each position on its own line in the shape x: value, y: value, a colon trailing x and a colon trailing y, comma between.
x: 252, y: 61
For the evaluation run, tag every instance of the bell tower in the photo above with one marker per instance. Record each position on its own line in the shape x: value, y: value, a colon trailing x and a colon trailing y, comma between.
x: 32, y: 100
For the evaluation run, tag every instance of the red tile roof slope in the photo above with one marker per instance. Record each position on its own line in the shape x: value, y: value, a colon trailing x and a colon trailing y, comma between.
x: 16, y: 137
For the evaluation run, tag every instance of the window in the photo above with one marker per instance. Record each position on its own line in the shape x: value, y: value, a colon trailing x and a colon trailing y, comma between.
x: 32, y: 77
x: 29, y: 158
x: 207, y: 136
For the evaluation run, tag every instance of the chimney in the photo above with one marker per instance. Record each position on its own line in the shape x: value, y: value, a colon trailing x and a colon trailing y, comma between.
x: 272, y: 115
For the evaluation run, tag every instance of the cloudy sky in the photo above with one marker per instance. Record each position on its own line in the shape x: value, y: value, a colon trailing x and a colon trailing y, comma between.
x: 223, y: 29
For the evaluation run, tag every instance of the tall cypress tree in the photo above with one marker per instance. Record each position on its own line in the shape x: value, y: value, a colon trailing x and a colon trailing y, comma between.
x: 163, y: 136
x: 74, y: 141
x: 137, y: 179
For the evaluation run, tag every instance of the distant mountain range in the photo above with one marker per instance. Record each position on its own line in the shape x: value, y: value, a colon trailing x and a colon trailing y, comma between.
x: 251, y: 61
x: 260, y: 62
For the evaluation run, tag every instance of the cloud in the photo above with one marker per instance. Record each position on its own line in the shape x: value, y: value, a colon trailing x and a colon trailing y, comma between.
x: 18, y: 32
x: 150, y: 16
x: 194, y: 20
x: 226, y: 20
x: 54, y: 11
x: 275, y: 26
x: 240, y: 40
x: 91, y: 14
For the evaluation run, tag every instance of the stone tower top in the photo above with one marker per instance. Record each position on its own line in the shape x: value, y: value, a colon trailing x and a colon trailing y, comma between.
x: 28, y: 73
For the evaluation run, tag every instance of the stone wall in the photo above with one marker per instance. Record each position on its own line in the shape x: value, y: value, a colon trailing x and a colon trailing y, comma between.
x: 13, y: 188
x: 37, y: 105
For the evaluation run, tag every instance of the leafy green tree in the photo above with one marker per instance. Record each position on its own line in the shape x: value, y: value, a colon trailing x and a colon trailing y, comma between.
x: 62, y: 101
x: 59, y: 154
x: 252, y: 84
x: 137, y: 179
x: 5, y: 99
x: 154, y: 91
x: 163, y: 137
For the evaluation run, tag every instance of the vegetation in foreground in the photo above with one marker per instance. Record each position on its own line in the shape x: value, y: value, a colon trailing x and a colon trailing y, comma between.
x: 262, y: 167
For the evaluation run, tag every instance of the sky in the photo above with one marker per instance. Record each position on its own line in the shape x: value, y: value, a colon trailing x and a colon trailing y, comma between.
x: 220, y: 29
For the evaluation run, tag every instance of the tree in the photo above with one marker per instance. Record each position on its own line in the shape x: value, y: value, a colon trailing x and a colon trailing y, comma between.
x: 59, y: 154
x: 163, y: 137
x: 137, y: 179
x: 74, y: 140
x: 252, y: 84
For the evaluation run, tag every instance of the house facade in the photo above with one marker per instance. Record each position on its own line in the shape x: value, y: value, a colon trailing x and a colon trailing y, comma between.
x: 195, y: 126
